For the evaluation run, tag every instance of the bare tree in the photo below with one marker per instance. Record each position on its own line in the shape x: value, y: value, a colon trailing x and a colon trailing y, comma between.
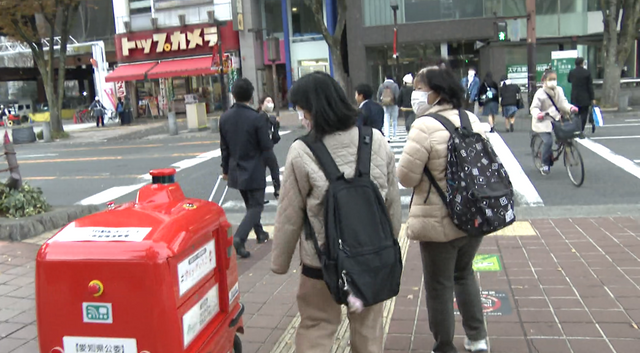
x: 32, y: 22
x: 617, y: 46
x: 333, y: 41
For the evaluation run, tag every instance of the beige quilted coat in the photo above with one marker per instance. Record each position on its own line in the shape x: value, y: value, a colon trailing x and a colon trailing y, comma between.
x: 429, y: 219
x: 542, y: 103
x: 304, y: 186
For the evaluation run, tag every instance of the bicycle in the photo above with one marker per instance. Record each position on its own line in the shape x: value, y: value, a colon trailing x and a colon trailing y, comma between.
x: 84, y: 115
x: 571, y: 156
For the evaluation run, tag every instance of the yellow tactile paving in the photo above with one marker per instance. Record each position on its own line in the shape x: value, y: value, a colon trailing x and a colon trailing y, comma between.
x: 286, y: 342
x: 519, y: 228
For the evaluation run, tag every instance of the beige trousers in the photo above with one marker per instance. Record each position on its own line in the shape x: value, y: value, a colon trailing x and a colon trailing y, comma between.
x: 320, y: 317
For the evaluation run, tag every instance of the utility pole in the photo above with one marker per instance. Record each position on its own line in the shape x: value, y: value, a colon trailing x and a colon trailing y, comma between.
x: 273, y: 55
x: 223, y: 88
x: 531, y: 48
x: 394, y: 8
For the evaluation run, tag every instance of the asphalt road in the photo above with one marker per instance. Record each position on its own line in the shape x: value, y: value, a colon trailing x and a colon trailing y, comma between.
x: 99, y: 172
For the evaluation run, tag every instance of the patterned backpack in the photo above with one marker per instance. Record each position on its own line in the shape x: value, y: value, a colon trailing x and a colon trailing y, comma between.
x: 479, y: 194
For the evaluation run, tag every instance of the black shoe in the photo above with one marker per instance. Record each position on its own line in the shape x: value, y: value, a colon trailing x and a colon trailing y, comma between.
x: 266, y: 202
x: 240, y: 250
x: 492, y: 130
x: 593, y: 128
x: 262, y: 238
x: 507, y: 130
x: 511, y: 128
x: 581, y: 136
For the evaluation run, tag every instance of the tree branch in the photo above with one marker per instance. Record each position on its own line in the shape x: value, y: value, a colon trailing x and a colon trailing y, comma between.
x: 316, y: 6
x: 341, y: 23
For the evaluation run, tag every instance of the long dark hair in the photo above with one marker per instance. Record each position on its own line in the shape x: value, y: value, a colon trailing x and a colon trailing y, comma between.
x: 439, y: 77
x: 320, y: 95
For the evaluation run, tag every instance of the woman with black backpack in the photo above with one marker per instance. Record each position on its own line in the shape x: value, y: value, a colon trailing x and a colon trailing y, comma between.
x: 447, y: 252
x: 270, y: 160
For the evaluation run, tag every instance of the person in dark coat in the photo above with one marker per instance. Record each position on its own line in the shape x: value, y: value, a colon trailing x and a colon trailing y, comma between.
x: 511, y: 101
x: 404, y: 101
x: 265, y: 109
x: 582, y: 91
x: 489, y: 98
x: 128, y: 112
x: 120, y: 111
x: 244, y: 139
x: 98, y: 109
x: 370, y: 113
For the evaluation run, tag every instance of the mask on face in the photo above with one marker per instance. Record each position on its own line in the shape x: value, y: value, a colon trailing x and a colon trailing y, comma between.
x: 300, y: 114
x: 268, y: 107
x: 552, y: 84
x: 472, y: 73
x: 420, y: 101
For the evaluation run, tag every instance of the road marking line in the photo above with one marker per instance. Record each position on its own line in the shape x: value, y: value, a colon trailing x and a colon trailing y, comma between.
x: 119, y: 191
x: 615, y: 137
x: 195, y: 143
x: 637, y: 160
x: 521, y: 183
x: 622, y: 162
x: 107, y: 147
x: 71, y: 160
x: 38, y: 155
x: 110, y: 194
x: 213, y: 192
x: 631, y: 120
x: 619, y: 125
x: 82, y: 177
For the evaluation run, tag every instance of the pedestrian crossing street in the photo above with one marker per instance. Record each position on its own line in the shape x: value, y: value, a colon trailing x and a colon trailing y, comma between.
x: 397, y: 145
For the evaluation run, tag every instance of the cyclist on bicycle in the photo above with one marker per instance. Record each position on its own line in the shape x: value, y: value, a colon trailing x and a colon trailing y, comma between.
x: 544, y: 104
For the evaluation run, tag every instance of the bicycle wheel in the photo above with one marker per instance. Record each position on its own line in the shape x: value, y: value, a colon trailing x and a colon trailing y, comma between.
x: 573, y: 163
x: 536, y: 150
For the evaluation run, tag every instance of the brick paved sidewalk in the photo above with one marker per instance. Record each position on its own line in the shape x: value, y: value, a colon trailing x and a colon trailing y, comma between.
x: 565, y: 285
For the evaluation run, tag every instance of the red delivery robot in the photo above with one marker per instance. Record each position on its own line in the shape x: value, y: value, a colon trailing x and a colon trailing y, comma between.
x: 151, y: 276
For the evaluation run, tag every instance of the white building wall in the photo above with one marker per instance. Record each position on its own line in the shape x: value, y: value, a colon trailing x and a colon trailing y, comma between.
x: 308, y: 51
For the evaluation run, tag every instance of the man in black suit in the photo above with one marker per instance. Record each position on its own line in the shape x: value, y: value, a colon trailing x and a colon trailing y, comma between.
x: 370, y: 113
x: 244, y: 137
x: 582, y: 90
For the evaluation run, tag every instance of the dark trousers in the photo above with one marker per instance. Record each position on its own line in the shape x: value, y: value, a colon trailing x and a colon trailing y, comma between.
x: 121, y: 117
x: 99, y: 120
x: 409, y: 118
x: 547, y: 148
x: 448, y: 267
x: 583, y: 113
x: 271, y: 162
x: 254, y: 202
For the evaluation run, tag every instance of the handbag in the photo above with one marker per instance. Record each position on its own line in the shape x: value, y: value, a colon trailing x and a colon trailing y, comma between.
x: 598, y: 119
x: 491, y: 92
x: 567, y: 128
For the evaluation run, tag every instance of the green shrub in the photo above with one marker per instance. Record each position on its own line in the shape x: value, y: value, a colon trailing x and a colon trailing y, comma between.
x: 24, y: 202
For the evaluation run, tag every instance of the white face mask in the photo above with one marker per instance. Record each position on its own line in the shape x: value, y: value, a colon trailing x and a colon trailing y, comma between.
x: 268, y: 107
x: 300, y: 114
x: 552, y: 84
x: 472, y: 73
x: 420, y: 101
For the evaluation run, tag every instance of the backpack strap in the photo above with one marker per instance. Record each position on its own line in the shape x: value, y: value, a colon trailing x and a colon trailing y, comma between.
x: 365, y: 139
x: 323, y: 156
x: 452, y: 130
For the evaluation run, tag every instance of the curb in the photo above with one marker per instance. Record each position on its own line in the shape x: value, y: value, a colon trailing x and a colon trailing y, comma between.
x: 24, y: 228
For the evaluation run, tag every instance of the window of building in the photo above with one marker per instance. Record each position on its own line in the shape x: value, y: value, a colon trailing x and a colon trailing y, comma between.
x: 303, y: 21
x: 139, y: 7
x: 273, y: 16
x: 434, y: 10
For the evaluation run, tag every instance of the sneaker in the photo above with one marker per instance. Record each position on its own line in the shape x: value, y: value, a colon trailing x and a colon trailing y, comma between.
x: 476, y: 346
x: 545, y: 170
x: 240, y: 250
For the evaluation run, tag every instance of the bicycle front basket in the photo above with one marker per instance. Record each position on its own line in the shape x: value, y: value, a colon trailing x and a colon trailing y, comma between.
x: 567, y: 128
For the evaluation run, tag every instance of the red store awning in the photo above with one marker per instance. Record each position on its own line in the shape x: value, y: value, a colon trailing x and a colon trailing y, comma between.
x: 131, y: 72
x: 183, y: 67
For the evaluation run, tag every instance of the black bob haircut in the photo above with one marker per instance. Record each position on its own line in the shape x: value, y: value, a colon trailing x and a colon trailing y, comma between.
x: 365, y: 90
x: 440, y: 79
x: 242, y: 90
x: 261, y: 102
x: 579, y: 61
x: 321, y: 96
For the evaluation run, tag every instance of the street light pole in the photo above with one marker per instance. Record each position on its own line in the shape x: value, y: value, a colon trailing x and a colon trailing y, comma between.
x: 394, y: 8
x: 531, y: 48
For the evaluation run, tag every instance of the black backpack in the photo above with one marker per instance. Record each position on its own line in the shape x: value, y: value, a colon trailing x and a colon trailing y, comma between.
x: 479, y: 193
x: 361, y: 255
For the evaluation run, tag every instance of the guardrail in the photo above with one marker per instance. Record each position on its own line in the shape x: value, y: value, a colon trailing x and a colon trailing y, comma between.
x: 625, y: 82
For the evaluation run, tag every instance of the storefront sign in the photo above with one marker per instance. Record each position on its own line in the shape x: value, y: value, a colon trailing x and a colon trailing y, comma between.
x: 238, y: 17
x: 167, y: 43
x: 121, y: 89
x: 518, y: 74
x: 162, y: 98
x: 563, y: 62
